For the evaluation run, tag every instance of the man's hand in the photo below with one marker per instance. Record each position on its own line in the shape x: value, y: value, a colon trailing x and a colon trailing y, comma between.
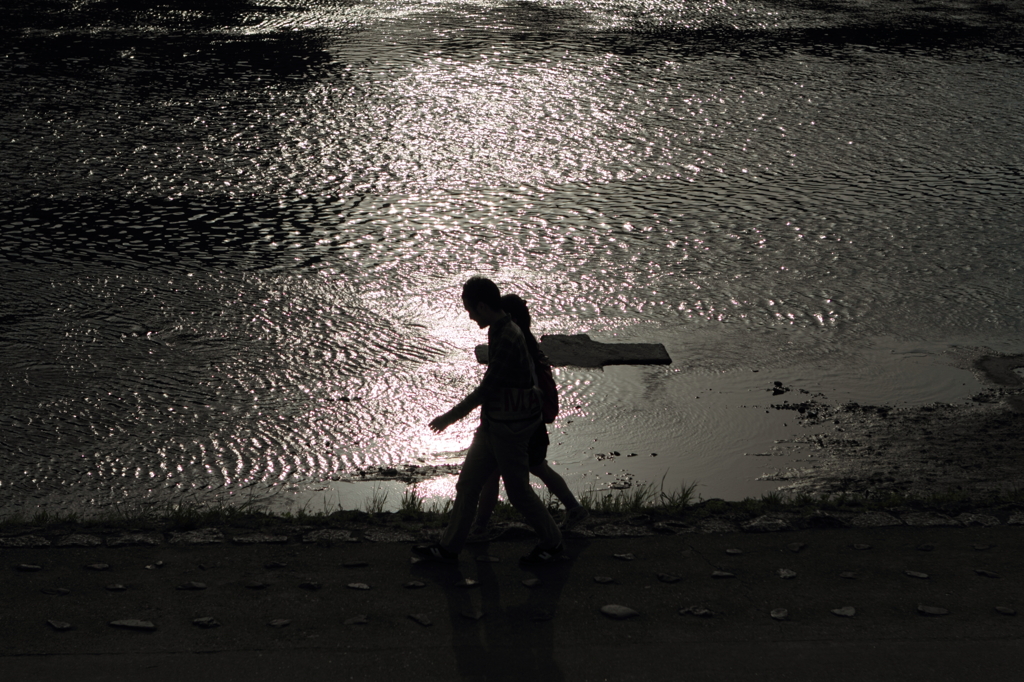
x: 441, y: 423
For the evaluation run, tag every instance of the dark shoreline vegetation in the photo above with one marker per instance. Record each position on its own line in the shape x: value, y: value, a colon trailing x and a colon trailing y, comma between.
x: 642, y: 510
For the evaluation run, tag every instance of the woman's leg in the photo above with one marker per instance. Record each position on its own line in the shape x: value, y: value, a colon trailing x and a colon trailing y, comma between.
x: 555, y: 483
x: 488, y: 500
x: 479, y: 465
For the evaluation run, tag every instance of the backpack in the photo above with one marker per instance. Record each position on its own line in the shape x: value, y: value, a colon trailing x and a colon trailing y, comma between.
x: 549, y: 392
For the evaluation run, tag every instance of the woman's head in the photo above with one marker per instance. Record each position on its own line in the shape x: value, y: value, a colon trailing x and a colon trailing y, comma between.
x: 517, y: 310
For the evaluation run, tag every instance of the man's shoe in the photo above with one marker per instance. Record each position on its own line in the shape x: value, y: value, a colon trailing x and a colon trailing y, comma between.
x: 574, y: 517
x: 435, y: 552
x: 544, y: 556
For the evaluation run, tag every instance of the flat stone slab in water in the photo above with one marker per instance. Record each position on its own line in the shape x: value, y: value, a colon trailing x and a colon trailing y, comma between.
x: 135, y: 540
x: 579, y: 350
x: 24, y: 541
x: 931, y: 610
x: 618, y: 611
x: 206, y: 622
x: 133, y: 624
x: 79, y: 540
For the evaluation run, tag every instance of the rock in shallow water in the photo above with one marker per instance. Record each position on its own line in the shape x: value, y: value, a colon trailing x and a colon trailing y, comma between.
x: 618, y: 611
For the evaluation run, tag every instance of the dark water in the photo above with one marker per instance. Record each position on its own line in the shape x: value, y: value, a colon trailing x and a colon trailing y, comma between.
x: 232, y: 234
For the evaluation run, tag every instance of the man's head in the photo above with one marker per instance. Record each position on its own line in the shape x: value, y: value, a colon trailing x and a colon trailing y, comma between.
x: 482, y: 300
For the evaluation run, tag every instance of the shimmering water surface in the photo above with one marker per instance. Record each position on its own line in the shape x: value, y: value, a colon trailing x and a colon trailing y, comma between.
x: 232, y: 234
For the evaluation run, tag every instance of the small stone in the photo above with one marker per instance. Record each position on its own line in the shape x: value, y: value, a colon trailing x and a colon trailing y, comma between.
x: 134, y: 624
x: 969, y: 519
x: 358, y: 586
x: 361, y: 619
x: 767, y: 524
x: 24, y: 541
x: 356, y: 564
x: 414, y: 585
x: 624, y: 557
x: 467, y: 582
x: 916, y: 574
x: 698, y: 611
x: 472, y: 614
x: 116, y: 587
x: 421, y: 618
x: 733, y: 550
x: 848, y: 575
x: 159, y: 564
x: 986, y: 574
x: 274, y: 565
x: 926, y: 547
x: 59, y: 625
x: 931, y: 610
x: 531, y: 582
x: 795, y: 546
x: 28, y: 568
x: 786, y: 574
x: 279, y: 623
x: 328, y: 536
x: 256, y: 585
x: 1006, y: 611
x: 192, y: 586
x: 861, y: 547
x: 310, y: 585
x: 845, y: 612
x: 206, y: 622
x: 604, y: 579
x: 203, y: 536
x: 874, y: 519
x: 780, y: 614
x: 618, y: 612
x: 722, y: 574
x: 150, y: 567
x: 56, y: 591
x: 668, y: 577
x: 487, y: 559
x: 981, y: 547
x: 135, y: 539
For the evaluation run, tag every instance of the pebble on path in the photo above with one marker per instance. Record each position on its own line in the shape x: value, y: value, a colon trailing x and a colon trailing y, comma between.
x: 279, y: 623
x: 414, y: 584
x: 780, y: 614
x: 256, y: 585
x: 987, y: 574
x: 733, y: 550
x: 698, y: 611
x: 604, y: 579
x: 134, y: 624
x: 860, y: 546
x: 846, y: 611
x: 795, y: 546
x: 192, y: 586
x: 618, y: 611
x: 274, y: 564
x: 786, y: 574
x: 722, y: 574
x: 931, y: 610
x: 356, y: 564
x: 1006, y: 611
x: 531, y: 582
x: 98, y: 567
x: 361, y: 619
x: 981, y: 547
x: 28, y: 568
x: 116, y: 587
x: 916, y: 574
x: 56, y: 591
x: 206, y: 622
x: 669, y: 577
x: 358, y: 586
x: 310, y: 585
x: 421, y: 618
x: 472, y: 614
x: 624, y: 557
x: 849, y: 575
x: 59, y: 625
x: 467, y: 582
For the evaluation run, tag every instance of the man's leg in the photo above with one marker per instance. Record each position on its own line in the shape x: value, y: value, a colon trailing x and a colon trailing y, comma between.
x: 478, y: 467
x: 508, y: 443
